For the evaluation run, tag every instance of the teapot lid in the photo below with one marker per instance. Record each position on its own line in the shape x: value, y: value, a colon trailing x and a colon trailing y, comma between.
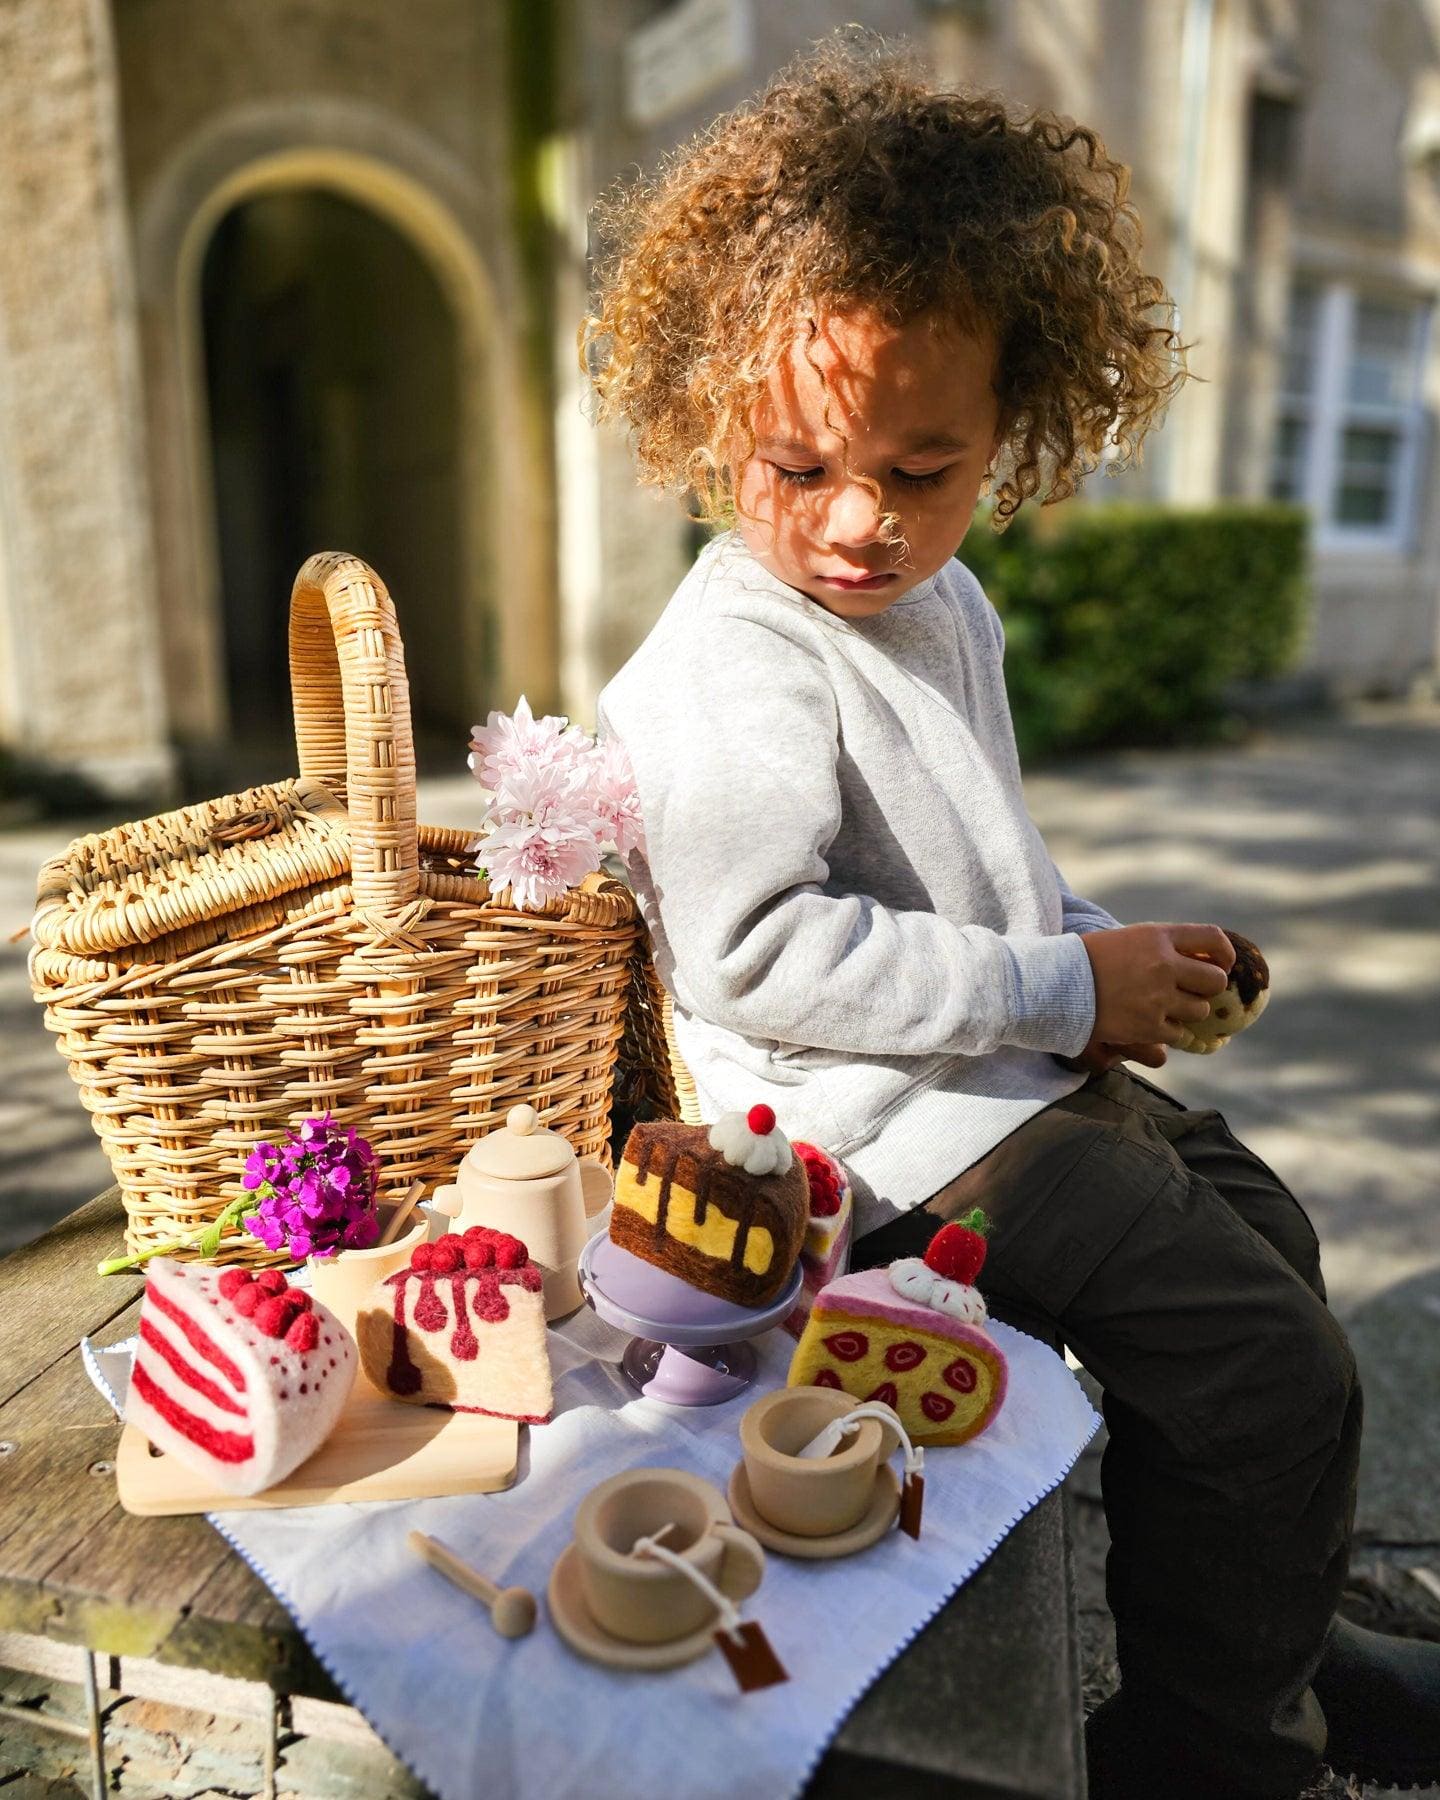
x: 521, y: 1149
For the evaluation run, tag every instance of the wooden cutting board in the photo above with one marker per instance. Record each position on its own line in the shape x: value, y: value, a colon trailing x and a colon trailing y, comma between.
x: 380, y: 1449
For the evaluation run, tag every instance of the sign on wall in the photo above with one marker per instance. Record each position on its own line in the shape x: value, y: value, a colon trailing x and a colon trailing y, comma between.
x: 677, y: 59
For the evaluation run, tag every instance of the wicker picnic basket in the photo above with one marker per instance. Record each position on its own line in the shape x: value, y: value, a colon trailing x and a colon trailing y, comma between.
x: 220, y: 972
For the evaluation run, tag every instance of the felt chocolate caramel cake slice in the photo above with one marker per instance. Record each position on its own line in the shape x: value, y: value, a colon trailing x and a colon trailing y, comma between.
x: 724, y: 1207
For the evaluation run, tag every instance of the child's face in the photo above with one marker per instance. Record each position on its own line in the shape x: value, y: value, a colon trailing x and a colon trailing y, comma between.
x: 918, y: 406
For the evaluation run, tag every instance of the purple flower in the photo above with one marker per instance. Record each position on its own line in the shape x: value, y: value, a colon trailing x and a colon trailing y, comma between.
x: 316, y: 1191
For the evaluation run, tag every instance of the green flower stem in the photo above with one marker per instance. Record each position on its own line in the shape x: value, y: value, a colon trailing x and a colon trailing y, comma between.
x: 207, y: 1237
x: 117, y: 1263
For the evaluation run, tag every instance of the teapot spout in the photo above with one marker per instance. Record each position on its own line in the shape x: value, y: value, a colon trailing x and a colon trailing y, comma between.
x: 446, y: 1201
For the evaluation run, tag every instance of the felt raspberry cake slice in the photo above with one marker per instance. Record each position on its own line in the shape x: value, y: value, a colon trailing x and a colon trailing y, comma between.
x: 463, y: 1326
x: 913, y: 1336
x: 237, y: 1375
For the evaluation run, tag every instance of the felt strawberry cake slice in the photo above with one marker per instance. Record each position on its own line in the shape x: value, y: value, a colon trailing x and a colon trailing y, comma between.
x: 826, y: 1249
x: 237, y: 1375
x: 463, y: 1327
x: 913, y: 1336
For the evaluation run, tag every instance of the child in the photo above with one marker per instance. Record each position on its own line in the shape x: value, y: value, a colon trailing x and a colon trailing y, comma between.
x: 838, y: 317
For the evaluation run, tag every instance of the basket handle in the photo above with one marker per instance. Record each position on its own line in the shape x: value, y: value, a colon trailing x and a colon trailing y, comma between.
x: 351, y: 703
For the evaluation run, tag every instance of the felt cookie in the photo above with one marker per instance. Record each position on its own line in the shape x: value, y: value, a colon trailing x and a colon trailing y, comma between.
x: 1241, y: 1004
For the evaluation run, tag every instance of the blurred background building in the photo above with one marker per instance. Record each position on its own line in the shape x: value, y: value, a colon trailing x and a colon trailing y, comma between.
x: 288, y: 275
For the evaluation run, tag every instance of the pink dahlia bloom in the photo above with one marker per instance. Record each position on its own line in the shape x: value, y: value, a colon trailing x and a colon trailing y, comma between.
x: 546, y: 840
x: 557, y: 801
x: 508, y: 745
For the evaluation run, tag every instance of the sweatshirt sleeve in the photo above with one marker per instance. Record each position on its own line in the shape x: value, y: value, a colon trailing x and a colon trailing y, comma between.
x: 1077, y: 915
x: 734, y: 747
x: 1082, y: 915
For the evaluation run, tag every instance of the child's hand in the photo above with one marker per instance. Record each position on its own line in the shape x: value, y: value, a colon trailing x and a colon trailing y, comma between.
x: 1099, y: 1058
x: 1150, y: 981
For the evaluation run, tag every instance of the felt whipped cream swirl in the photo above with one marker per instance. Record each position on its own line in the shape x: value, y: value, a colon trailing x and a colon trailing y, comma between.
x: 913, y: 1280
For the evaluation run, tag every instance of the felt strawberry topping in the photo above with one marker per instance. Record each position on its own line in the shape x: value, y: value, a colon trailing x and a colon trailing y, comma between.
x: 958, y: 1251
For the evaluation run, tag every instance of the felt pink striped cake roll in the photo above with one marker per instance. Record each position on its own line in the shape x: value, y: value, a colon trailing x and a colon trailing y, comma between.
x: 239, y: 1376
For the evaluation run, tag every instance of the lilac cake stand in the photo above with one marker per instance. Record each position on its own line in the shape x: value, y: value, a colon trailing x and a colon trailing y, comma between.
x: 690, y: 1348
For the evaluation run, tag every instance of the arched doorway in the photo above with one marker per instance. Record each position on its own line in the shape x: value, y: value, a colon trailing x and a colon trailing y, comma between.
x: 332, y: 375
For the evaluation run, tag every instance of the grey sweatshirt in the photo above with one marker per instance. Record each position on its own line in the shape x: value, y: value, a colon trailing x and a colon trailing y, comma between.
x: 854, y: 913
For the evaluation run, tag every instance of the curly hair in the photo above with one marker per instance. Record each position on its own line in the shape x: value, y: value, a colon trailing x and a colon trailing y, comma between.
x: 850, y: 184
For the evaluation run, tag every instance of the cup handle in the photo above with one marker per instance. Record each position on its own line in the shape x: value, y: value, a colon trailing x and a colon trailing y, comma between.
x: 597, y: 1186
x: 743, y: 1566
x: 446, y: 1201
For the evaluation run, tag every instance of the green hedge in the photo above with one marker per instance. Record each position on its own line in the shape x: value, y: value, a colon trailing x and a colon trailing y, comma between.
x: 1125, y: 624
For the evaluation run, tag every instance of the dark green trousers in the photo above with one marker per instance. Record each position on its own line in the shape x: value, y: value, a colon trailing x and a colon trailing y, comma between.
x: 1186, y: 1277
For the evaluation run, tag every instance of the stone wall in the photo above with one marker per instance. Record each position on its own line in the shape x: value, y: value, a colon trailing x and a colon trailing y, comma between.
x: 80, y: 631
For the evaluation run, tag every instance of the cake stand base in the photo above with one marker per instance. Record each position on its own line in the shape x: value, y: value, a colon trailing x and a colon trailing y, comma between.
x: 699, y: 1377
x: 689, y: 1348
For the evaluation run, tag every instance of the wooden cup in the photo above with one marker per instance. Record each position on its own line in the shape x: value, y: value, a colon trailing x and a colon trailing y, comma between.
x: 810, y: 1498
x: 343, y: 1281
x: 642, y: 1599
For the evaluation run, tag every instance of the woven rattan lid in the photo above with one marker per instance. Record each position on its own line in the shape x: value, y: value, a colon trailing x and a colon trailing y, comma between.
x: 521, y: 1149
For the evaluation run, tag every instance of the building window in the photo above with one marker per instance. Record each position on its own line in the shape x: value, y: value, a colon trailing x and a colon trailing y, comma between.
x: 1351, y: 416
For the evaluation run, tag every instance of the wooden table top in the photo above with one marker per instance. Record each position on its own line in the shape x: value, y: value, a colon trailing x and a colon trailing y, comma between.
x: 75, y: 1566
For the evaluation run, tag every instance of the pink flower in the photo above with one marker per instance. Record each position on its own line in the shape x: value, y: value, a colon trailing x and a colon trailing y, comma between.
x: 537, y: 862
x: 617, y: 805
x: 547, y: 795
x: 557, y: 801
x: 506, y: 745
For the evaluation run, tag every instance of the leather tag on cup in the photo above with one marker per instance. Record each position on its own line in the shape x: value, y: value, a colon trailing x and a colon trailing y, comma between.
x: 752, y: 1662
x: 912, y: 1499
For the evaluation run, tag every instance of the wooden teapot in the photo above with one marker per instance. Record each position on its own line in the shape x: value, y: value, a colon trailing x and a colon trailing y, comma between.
x: 527, y: 1180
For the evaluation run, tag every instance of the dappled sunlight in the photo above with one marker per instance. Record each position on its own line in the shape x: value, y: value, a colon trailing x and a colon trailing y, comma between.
x: 1321, y: 842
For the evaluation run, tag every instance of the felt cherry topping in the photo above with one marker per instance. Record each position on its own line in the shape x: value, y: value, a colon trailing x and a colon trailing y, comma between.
x: 510, y: 1253
x: 958, y: 1251
x: 267, y: 1298
x: 825, y: 1189
x: 760, y: 1118
x: 446, y: 1256
x: 247, y: 1298
x: 304, y: 1333
x: 478, y: 1247
x: 275, y: 1313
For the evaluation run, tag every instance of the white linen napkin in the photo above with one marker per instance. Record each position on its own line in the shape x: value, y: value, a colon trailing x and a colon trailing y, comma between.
x: 471, y: 1712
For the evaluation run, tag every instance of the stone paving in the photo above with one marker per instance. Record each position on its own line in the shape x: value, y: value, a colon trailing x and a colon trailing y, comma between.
x: 1320, y: 839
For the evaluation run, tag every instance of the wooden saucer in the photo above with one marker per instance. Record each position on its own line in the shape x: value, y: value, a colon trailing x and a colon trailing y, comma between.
x: 884, y: 1506
x: 572, y: 1618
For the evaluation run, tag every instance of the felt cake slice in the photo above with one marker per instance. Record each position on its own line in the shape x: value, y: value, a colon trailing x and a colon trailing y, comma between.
x: 723, y: 1207
x: 239, y: 1376
x: 826, y: 1249
x: 913, y: 1336
x: 463, y: 1326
